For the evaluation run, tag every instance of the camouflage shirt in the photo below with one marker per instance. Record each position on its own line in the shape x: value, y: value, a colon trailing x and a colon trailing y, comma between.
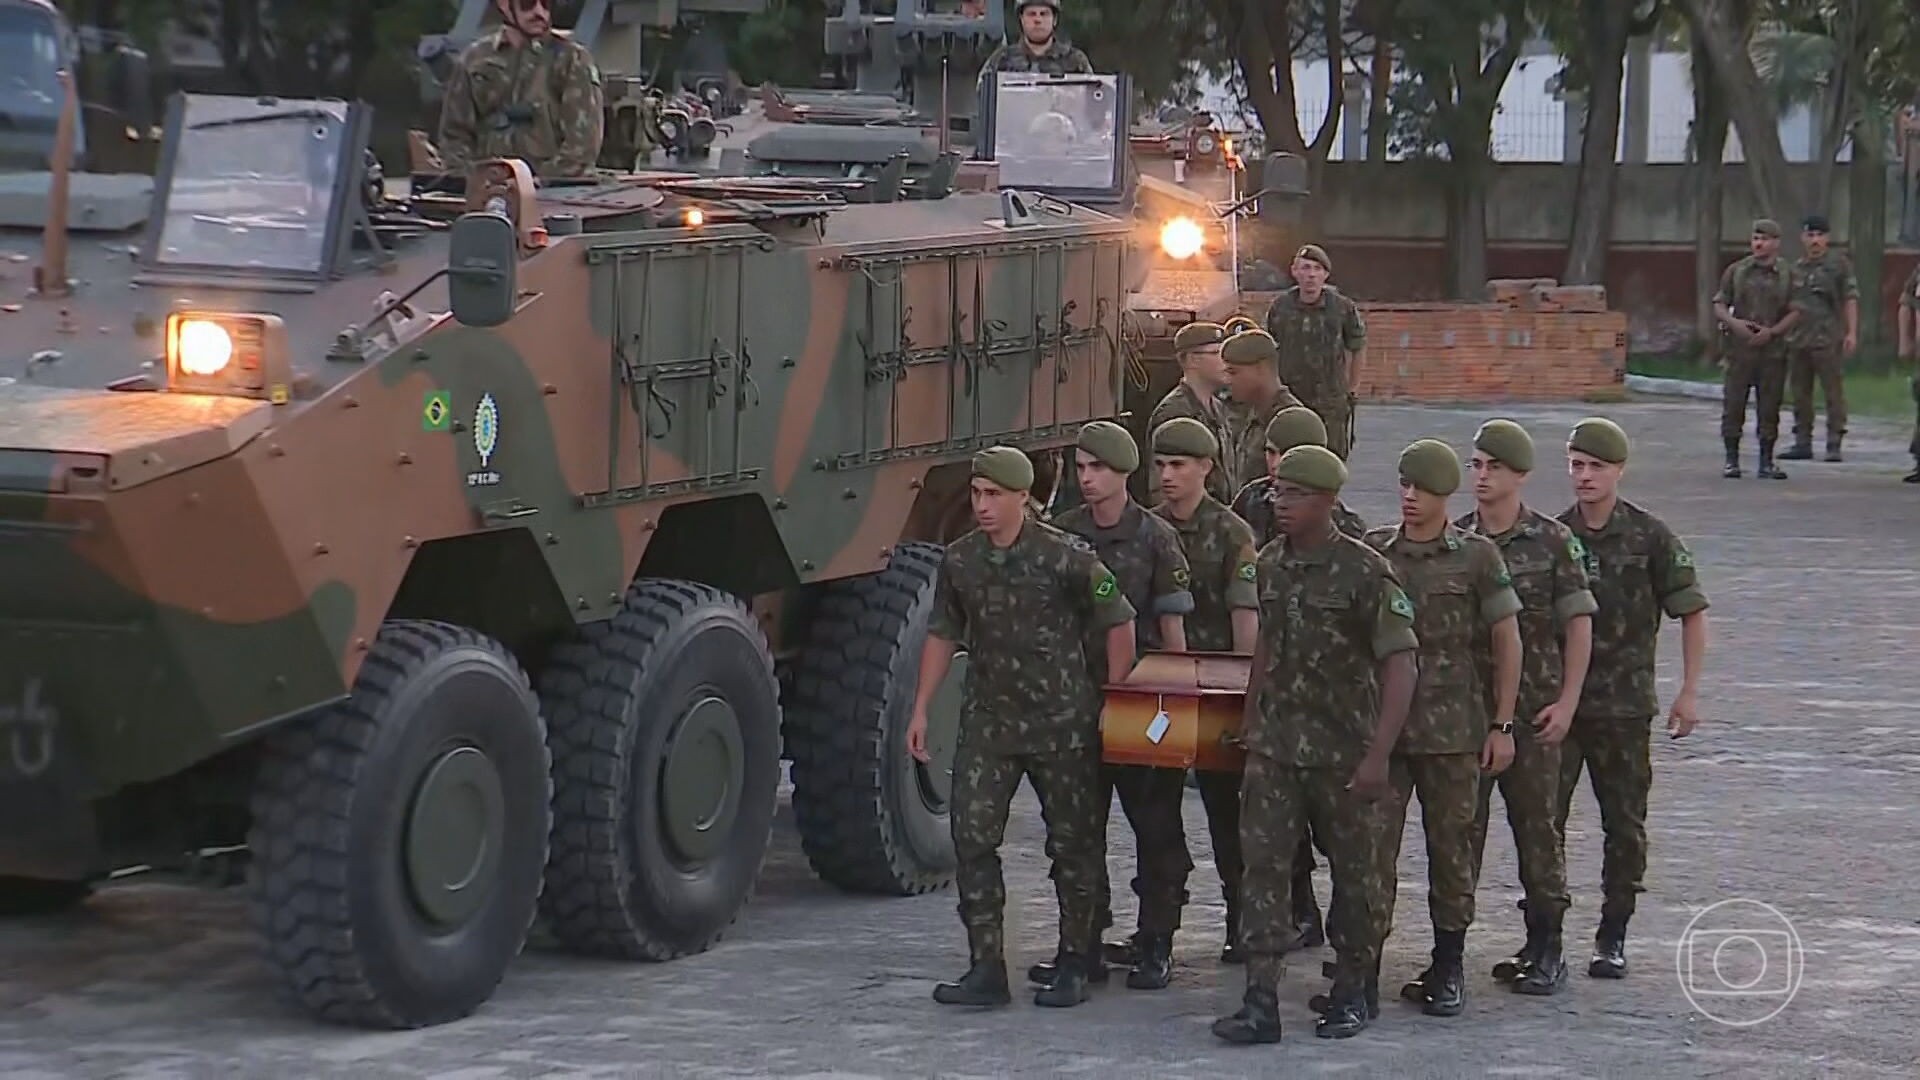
x: 1245, y: 445
x: 1327, y: 618
x: 540, y: 102
x: 1637, y: 568
x: 1760, y: 292
x: 1219, y: 549
x: 1821, y: 289
x: 1314, y: 340
x: 1058, y: 58
x: 1549, y: 568
x: 1184, y: 400
x: 1460, y: 587
x: 1019, y: 611
x: 1254, y: 504
x: 1910, y: 299
x: 1144, y: 554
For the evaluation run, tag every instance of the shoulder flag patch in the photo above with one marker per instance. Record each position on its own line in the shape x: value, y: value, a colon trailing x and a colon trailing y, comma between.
x: 1398, y: 603
x: 1106, y: 587
x: 1248, y: 572
x: 1181, y: 577
x: 1682, y: 558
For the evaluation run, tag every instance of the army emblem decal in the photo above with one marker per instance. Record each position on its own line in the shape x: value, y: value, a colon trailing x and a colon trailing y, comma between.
x: 486, y: 438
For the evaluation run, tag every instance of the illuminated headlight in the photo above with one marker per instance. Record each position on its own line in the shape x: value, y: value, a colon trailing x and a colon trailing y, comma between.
x: 237, y: 355
x: 1181, y: 238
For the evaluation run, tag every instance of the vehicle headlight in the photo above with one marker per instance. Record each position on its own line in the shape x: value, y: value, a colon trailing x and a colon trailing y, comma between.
x: 1181, y: 238
x: 220, y: 353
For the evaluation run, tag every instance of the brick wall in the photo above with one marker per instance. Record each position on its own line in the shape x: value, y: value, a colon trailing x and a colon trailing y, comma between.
x: 1524, y: 346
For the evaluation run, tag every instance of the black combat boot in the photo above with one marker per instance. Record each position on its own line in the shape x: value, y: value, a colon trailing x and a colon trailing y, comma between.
x: 1258, y: 1020
x: 1447, y: 990
x: 1609, y: 950
x: 1069, y: 985
x: 1914, y: 476
x: 985, y: 983
x: 1801, y: 450
x: 1419, y: 989
x: 1230, y: 951
x: 1042, y: 973
x: 1515, y: 966
x: 1731, y: 470
x: 1547, y: 973
x: 1833, y: 448
x: 1152, y: 962
x: 1346, y: 1012
x: 1768, y: 470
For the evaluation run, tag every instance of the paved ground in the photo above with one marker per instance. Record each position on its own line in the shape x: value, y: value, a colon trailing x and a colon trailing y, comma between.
x: 1799, y: 790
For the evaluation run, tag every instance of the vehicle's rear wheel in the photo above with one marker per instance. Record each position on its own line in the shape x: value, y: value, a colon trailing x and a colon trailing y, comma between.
x: 871, y: 818
x: 398, y: 837
x: 34, y: 896
x: 665, y: 729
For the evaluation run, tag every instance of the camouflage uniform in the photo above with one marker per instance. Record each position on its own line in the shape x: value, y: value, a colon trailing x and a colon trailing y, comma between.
x: 1314, y: 340
x: 1144, y: 554
x: 1245, y: 446
x: 1910, y: 299
x: 1637, y: 568
x: 540, y: 102
x: 1254, y: 504
x: 1460, y: 588
x: 1759, y: 292
x: 1821, y: 288
x: 1184, y: 400
x: 1018, y: 610
x: 1219, y: 548
x: 1058, y: 58
x: 1327, y: 618
x: 1548, y: 566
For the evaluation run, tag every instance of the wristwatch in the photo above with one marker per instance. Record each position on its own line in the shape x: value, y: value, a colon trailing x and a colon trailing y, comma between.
x: 1504, y: 729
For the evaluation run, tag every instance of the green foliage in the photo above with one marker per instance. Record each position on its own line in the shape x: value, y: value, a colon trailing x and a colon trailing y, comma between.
x: 1457, y: 55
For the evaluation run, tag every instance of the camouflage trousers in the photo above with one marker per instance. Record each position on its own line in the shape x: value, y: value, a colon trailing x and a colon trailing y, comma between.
x: 1531, y: 789
x: 1220, y: 794
x: 1913, y: 446
x: 1278, y: 802
x: 1448, y: 786
x: 1337, y: 414
x: 1826, y: 363
x: 1762, y: 376
x: 1151, y: 799
x: 1068, y: 784
x: 1619, y: 765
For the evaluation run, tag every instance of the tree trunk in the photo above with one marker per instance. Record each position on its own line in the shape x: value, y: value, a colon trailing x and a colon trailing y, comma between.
x: 1752, y: 113
x: 1379, y: 119
x: 1867, y: 219
x: 1467, y: 181
x: 1709, y: 183
x: 1606, y: 24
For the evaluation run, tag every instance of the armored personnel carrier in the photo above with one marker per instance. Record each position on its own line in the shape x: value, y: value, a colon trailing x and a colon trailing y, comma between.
x: 442, y: 561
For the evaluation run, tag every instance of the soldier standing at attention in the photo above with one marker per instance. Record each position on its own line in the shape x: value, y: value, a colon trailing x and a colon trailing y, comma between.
x: 1144, y: 554
x: 1333, y: 669
x: 1754, y: 307
x: 1322, y: 342
x: 1040, y: 48
x: 1203, y: 382
x: 1549, y: 571
x: 1828, y: 296
x: 1906, y: 315
x: 523, y: 92
x: 1637, y: 569
x: 1294, y: 426
x: 1021, y: 595
x: 1225, y: 617
x: 1253, y: 382
x: 1467, y: 628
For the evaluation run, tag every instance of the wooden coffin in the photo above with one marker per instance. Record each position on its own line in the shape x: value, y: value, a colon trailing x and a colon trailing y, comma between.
x: 1177, y: 711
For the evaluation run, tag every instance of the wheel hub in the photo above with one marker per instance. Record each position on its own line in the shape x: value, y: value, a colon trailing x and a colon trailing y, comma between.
x: 701, y: 776
x: 455, y: 835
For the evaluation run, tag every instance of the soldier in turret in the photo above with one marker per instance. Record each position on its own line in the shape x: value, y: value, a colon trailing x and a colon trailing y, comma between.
x: 524, y: 92
x: 1040, y: 49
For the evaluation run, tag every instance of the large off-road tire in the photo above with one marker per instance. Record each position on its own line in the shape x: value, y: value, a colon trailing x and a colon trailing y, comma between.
x: 398, y: 837
x: 871, y: 818
x: 33, y: 896
x: 665, y: 730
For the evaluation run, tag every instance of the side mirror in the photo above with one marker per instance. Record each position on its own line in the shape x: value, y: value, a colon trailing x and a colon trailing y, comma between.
x: 483, y: 255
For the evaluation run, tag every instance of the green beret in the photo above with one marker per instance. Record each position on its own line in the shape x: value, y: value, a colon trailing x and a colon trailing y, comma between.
x: 1766, y: 227
x: 1600, y: 437
x: 1005, y: 466
x: 1315, y: 467
x: 1251, y: 347
x: 1314, y: 253
x: 1295, y: 425
x: 1183, y: 436
x: 1197, y: 335
x: 1432, y: 466
x: 1507, y: 443
x: 1238, y: 323
x: 1110, y: 443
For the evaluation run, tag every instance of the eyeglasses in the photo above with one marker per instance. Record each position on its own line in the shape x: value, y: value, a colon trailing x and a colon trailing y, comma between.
x: 529, y: 5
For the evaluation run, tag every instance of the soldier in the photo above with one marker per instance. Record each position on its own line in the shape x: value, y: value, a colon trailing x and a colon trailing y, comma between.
x: 1322, y: 342
x: 1754, y: 307
x: 1332, y: 672
x: 523, y: 91
x: 1906, y: 315
x: 1225, y: 617
x: 1253, y: 383
x: 1021, y: 594
x: 1290, y: 427
x: 1828, y: 297
x: 1144, y: 554
x: 1467, y: 628
x: 1549, y: 571
x: 1200, y: 393
x: 1039, y: 49
x: 1637, y: 568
